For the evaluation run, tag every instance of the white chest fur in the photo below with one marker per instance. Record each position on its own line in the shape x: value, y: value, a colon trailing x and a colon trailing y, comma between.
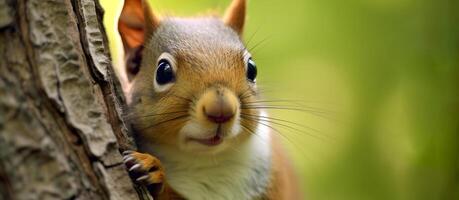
x: 240, y: 173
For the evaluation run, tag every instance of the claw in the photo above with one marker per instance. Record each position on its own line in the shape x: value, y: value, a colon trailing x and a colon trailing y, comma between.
x: 127, y: 159
x: 145, y: 170
x: 142, y: 178
x: 136, y: 167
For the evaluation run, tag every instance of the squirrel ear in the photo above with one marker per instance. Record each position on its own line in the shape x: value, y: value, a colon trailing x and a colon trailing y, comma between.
x: 136, y: 22
x: 235, y: 15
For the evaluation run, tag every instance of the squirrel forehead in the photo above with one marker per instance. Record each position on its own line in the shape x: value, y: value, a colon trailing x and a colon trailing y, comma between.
x: 196, y: 36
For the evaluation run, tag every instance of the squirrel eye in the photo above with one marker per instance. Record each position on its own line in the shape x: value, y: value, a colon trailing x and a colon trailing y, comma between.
x: 251, y: 70
x: 164, y: 72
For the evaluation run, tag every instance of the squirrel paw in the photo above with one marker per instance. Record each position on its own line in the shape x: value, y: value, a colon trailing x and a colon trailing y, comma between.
x: 145, y: 169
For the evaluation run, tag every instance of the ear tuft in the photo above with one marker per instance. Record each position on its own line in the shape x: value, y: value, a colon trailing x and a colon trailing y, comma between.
x: 235, y: 15
x: 151, y: 20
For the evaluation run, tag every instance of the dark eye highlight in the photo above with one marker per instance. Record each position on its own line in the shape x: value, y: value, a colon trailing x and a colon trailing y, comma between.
x: 251, y: 70
x: 164, y: 72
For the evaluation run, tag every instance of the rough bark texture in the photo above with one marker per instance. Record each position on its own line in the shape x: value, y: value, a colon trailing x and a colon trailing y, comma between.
x: 60, y: 104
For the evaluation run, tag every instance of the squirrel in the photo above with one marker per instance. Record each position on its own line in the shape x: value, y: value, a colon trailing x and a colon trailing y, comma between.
x: 189, y: 84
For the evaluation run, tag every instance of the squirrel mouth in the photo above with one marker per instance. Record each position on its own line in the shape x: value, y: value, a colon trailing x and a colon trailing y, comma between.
x: 214, y: 141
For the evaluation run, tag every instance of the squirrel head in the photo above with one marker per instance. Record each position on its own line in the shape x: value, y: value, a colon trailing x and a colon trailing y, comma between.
x: 192, y: 79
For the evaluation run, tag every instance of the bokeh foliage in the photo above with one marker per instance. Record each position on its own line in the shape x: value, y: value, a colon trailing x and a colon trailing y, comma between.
x: 379, y: 80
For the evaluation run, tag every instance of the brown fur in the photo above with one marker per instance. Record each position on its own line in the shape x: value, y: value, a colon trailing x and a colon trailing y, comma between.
x: 209, y: 58
x: 284, y: 184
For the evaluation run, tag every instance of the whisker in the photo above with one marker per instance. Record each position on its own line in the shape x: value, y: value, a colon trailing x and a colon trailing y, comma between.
x: 165, y: 121
x: 297, y: 102
x: 251, y: 131
x: 264, y: 103
x: 285, y: 126
x: 258, y: 44
x: 301, y: 108
x: 311, y: 111
x: 253, y: 36
x: 157, y: 114
x: 180, y: 97
x: 184, y: 105
x: 280, y: 133
x: 295, y: 108
x: 286, y: 121
x: 246, y: 93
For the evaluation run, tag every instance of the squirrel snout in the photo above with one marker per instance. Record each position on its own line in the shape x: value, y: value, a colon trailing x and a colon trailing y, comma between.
x: 219, y: 106
x: 219, y: 113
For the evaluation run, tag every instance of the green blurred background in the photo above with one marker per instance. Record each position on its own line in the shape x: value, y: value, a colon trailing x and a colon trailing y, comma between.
x: 377, y: 81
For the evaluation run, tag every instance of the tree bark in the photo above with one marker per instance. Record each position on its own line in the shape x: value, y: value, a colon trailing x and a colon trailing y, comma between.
x: 61, y: 129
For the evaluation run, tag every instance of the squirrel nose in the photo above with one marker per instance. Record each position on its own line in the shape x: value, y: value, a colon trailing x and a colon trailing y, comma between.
x: 217, y: 105
x: 219, y: 112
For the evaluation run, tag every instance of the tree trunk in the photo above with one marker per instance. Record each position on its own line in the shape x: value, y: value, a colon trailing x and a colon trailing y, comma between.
x: 61, y: 130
